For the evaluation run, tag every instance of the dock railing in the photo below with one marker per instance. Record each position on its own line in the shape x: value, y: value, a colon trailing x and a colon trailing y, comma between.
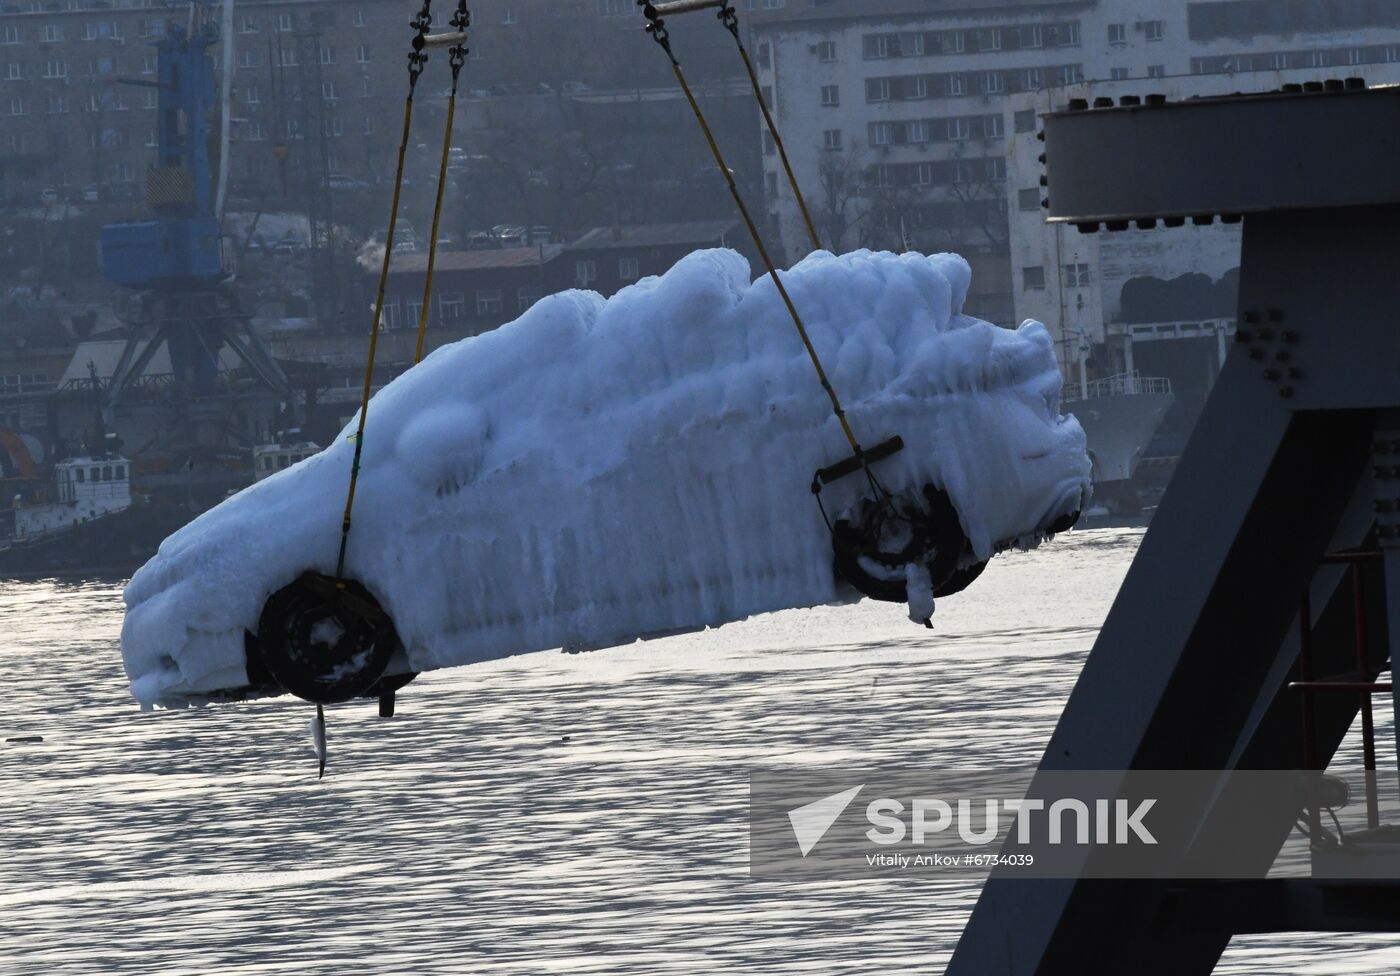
x: 1120, y: 384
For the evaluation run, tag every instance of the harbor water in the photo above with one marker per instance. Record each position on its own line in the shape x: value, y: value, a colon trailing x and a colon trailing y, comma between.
x: 547, y: 813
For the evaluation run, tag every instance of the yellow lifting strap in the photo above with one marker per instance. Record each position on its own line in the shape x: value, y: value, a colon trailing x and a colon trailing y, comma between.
x: 656, y: 27
x: 416, y: 59
x: 461, y: 20
x: 730, y: 18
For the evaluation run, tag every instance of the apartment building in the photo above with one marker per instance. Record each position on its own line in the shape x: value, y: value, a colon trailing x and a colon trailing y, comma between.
x: 900, y: 114
x: 321, y: 81
x: 1162, y: 302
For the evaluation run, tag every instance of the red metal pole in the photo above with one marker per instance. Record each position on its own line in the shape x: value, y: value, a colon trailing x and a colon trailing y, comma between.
x: 1309, y: 739
x: 1368, y: 726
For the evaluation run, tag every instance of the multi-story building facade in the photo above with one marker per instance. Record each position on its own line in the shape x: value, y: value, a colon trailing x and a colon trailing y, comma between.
x: 69, y: 119
x: 900, y: 114
x: 1161, y: 301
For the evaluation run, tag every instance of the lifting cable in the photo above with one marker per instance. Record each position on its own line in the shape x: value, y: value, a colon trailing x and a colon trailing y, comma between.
x: 729, y: 17
x: 656, y: 27
x: 416, y: 60
x: 461, y: 20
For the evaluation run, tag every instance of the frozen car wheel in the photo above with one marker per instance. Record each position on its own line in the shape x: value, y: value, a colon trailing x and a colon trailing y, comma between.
x: 325, y: 643
x: 873, y: 550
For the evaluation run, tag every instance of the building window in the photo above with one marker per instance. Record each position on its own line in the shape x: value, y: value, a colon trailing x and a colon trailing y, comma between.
x: 10, y: 34
x: 1069, y: 34
x: 328, y: 91
x: 994, y: 127
x: 53, y: 33
x: 58, y: 104
x: 831, y: 139
x: 1033, y: 277
x: 826, y: 51
x: 770, y: 184
x: 1118, y: 33
x: 627, y: 269
x: 877, y: 89
x: 489, y: 302
x: 1034, y: 79
x: 1076, y: 276
x: 959, y: 129
x: 508, y: 17
x: 359, y: 18
x: 366, y: 87
x: 249, y: 24
x: 770, y: 145
x: 615, y: 8
x: 989, y: 39
x: 831, y: 95
x: 452, y: 305
x: 954, y: 42
x: 368, y: 127
x: 1118, y: 74
x: 1156, y: 71
x: 17, y: 105
x: 916, y: 88
x: 14, y: 71
x: 1028, y: 199
x: 56, y: 68
x: 328, y: 55
x: 880, y: 133
x: 1153, y: 29
x: 524, y: 298
x: 957, y: 85
x: 765, y: 55
x: 284, y: 22
x: 917, y: 132
x: 1031, y: 36
x: 251, y: 95
x: 585, y: 273
x: 1024, y: 121
x: 996, y: 169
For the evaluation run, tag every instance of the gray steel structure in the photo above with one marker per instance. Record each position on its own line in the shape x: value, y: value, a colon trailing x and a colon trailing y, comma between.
x: 1296, y: 455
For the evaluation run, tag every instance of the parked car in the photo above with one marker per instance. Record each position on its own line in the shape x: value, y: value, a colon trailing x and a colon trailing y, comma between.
x: 339, y: 181
x: 90, y: 193
x: 48, y: 195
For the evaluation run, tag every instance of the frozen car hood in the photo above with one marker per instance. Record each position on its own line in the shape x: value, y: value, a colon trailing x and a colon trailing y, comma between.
x: 601, y: 469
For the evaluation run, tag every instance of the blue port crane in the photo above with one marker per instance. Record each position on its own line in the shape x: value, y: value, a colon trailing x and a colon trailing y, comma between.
x: 174, y: 258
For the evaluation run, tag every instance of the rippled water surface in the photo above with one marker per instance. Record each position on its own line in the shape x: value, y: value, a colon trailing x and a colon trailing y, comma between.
x: 543, y: 814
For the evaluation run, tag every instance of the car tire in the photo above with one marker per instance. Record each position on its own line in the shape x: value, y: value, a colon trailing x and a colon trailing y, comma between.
x: 323, y: 642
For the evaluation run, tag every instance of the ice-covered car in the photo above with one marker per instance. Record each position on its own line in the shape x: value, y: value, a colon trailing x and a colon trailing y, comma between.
x: 605, y: 470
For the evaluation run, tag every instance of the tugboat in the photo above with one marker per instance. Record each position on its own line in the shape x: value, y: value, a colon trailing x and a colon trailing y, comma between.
x: 85, y: 521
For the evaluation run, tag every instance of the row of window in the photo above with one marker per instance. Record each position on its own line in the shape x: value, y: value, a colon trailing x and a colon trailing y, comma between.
x: 106, y: 472
x: 940, y: 214
x: 917, y: 44
x: 1247, y: 18
x: 628, y: 8
x: 452, y: 306
x: 959, y: 128
x: 937, y: 172
x: 905, y: 88
x: 1074, y: 276
x: 1283, y: 60
x: 57, y: 68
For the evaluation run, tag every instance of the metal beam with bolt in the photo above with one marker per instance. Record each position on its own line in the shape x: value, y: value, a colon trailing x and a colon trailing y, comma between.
x: 1296, y: 457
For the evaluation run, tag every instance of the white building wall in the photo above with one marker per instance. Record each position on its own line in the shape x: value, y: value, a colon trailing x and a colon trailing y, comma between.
x: 1123, y: 47
x: 1077, y: 306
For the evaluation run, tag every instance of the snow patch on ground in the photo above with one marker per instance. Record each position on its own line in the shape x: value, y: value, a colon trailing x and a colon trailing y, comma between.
x: 599, y: 470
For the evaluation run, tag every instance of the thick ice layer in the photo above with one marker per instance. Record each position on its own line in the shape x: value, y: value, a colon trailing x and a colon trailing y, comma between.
x: 603, y: 469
